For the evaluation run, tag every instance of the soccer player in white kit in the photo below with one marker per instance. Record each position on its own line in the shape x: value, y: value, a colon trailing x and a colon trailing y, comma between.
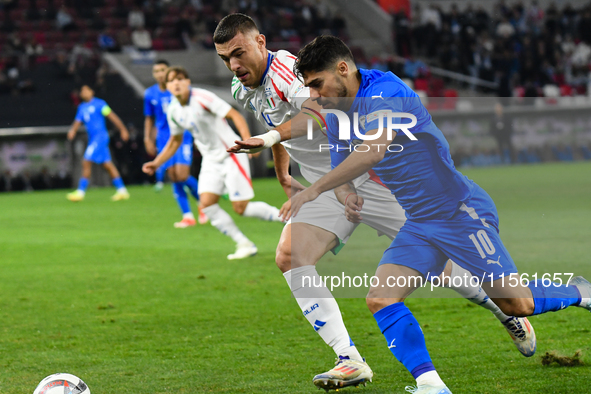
x: 264, y: 83
x: 204, y: 114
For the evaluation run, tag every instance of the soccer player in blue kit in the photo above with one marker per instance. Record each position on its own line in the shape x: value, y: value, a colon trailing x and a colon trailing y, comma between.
x: 92, y: 112
x: 448, y: 215
x: 156, y: 101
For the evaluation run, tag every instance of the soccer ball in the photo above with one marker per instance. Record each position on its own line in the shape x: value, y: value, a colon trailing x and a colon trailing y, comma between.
x: 62, y: 383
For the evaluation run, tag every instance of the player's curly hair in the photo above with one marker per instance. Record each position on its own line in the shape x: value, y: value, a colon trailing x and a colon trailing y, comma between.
x: 177, y: 70
x: 321, y: 54
x: 231, y: 25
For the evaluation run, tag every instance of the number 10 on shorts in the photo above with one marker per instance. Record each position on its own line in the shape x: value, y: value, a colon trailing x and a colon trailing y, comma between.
x: 482, y: 243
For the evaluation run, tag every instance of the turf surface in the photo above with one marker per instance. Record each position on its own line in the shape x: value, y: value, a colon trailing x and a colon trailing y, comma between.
x: 111, y: 292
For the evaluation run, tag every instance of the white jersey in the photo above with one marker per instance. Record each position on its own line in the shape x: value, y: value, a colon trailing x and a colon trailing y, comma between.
x: 276, y: 101
x: 204, y: 116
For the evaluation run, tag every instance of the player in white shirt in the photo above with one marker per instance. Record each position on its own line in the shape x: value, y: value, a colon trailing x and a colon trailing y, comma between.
x: 204, y: 114
x: 264, y: 83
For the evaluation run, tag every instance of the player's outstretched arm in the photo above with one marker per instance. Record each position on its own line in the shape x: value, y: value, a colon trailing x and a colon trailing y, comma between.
x: 357, y: 164
x: 240, y: 123
x: 169, y: 150
x: 73, y: 129
x: 149, y: 136
x: 116, y: 120
x: 293, y: 128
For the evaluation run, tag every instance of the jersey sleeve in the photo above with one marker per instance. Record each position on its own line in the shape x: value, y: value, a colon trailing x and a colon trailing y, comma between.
x: 213, y: 103
x: 79, y: 116
x: 379, y: 105
x: 148, y: 106
x: 339, y: 149
x: 286, y: 84
x: 175, y: 128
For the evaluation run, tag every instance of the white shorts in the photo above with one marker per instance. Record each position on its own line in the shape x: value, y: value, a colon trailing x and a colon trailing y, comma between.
x: 380, y: 211
x: 231, y: 176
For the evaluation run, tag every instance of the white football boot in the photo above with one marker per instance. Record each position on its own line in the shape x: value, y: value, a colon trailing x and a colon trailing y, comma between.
x: 243, y: 250
x: 584, y: 288
x: 523, y: 335
x: 428, y: 389
x: 346, y: 373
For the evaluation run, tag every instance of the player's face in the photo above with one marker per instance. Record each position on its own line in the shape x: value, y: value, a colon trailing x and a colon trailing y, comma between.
x: 159, y: 73
x: 178, y: 84
x: 246, y: 56
x: 327, y: 88
x: 86, y: 93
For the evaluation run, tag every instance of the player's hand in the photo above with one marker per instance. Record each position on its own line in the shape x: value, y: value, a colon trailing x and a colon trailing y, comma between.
x: 125, y: 135
x: 285, y: 208
x: 353, y: 205
x: 307, y: 195
x: 251, y: 145
x: 71, y: 135
x: 150, y: 147
x: 149, y: 168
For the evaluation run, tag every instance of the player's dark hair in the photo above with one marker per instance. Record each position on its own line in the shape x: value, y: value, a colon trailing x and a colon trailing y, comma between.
x: 177, y: 70
x: 231, y: 25
x: 162, y: 61
x: 321, y: 54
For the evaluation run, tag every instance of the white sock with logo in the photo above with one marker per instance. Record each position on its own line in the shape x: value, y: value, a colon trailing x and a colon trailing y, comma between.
x: 262, y: 210
x: 475, y: 293
x: 223, y: 222
x: 321, y: 310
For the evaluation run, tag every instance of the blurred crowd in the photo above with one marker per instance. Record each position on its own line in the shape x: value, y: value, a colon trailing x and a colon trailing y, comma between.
x: 521, y: 46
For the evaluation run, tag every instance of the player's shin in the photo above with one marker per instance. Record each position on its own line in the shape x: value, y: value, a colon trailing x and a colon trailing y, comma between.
x: 460, y: 281
x: 180, y: 196
x: 554, y: 297
x: 406, y: 341
x: 262, y: 210
x: 193, y: 186
x: 224, y: 223
x: 83, y: 184
x: 321, y: 310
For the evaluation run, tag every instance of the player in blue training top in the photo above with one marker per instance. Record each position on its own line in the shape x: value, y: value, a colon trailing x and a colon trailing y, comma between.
x: 92, y: 112
x: 156, y: 101
x: 448, y: 215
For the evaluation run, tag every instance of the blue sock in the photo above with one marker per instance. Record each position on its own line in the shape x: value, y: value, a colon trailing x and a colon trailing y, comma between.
x: 405, y: 338
x: 160, y: 174
x: 552, y: 298
x: 179, y: 193
x: 193, y: 186
x: 118, y: 183
x: 83, y: 184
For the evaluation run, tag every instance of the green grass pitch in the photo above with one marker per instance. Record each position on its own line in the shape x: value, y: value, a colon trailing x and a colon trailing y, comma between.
x: 111, y: 292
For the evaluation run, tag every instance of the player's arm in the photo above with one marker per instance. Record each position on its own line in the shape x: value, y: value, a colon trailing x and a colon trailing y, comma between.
x: 116, y: 120
x: 149, y: 135
x: 293, y: 128
x: 281, y: 161
x: 74, y: 129
x: 173, y: 144
x: 240, y: 123
x: 347, y: 195
x: 357, y: 164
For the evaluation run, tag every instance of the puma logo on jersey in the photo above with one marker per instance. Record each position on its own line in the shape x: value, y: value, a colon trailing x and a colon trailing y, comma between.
x: 495, y: 262
x: 380, y: 96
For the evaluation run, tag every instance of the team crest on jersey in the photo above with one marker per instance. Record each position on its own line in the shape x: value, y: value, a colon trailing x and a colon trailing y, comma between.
x: 268, y: 92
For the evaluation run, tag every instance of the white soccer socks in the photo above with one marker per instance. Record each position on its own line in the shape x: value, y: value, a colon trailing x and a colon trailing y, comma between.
x: 221, y: 220
x: 321, y: 309
x: 474, y: 293
x: 262, y: 210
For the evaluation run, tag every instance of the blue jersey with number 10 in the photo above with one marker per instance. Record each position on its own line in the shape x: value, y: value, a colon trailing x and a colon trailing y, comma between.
x: 421, y: 175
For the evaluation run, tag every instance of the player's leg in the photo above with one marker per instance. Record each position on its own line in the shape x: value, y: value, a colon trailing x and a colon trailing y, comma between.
x: 402, y: 269
x: 183, y: 159
x: 80, y: 192
x: 239, y: 186
x: 121, y: 193
x: 159, y: 175
x: 465, y: 284
x: 177, y: 174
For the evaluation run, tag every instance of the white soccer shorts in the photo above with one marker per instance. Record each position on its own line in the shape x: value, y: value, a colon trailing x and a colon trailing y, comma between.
x: 231, y: 176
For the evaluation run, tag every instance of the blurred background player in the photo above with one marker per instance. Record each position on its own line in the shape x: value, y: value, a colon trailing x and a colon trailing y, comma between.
x: 156, y: 101
x: 205, y: 114
x: 92, y: 112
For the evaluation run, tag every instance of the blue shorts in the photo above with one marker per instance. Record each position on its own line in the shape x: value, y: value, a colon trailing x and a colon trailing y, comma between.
x: 184, y: 155
x: 98, y: 151
x: 470, y: 238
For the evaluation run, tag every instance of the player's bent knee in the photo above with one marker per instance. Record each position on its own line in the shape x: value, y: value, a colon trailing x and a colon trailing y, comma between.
x: 376, y: 304
x: 519, y: 307
x: 283, y: 259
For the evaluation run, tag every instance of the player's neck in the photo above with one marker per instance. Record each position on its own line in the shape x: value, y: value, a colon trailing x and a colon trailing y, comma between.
x: 353, y: 84
x: 184, y: 98
x: 162, y: 87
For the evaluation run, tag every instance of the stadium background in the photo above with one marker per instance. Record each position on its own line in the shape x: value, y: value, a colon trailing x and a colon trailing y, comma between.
x: 462, y: 57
